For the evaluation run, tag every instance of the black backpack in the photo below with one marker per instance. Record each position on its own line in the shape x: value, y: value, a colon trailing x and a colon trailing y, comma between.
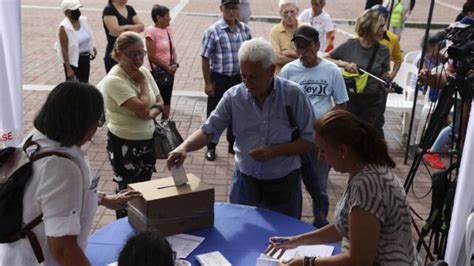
x: 16, y: 169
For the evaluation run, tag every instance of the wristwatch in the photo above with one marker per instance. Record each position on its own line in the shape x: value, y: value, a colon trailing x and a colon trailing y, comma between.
x: 100, y: 196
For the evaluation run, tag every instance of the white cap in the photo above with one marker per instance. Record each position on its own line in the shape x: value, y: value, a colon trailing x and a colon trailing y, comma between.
x: 70, y: 5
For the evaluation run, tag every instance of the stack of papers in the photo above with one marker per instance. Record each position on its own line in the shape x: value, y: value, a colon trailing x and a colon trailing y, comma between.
x: 184, y: 244
x: 213, y: 259
x: 301, y: 251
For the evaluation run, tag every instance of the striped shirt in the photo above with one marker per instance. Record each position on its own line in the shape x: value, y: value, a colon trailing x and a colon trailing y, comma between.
x: 377, y: 190
x: 221, y: 45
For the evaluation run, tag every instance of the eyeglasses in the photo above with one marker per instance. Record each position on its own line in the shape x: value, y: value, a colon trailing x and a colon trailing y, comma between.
x: 101, y: 120
x: 131, y: 54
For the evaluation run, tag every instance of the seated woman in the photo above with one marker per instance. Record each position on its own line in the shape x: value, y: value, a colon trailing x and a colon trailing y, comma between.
x: 372, y: 218
x: 148, y: 248
x: 61, y: 188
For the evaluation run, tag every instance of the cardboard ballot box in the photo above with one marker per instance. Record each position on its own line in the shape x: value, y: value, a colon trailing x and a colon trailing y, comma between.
x: 172, y: 209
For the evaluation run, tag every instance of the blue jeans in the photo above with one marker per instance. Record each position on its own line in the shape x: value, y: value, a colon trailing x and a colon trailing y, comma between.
x: 315, y: 173
x: 282, y: 195
x: 444, y: 136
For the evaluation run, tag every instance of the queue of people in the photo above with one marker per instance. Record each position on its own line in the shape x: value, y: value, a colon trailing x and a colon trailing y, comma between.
x: 288, y: 114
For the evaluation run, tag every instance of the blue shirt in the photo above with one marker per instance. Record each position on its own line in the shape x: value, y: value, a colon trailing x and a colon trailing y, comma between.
x: 321, y: 83
x: 221, y: 45
x: 253, y: 126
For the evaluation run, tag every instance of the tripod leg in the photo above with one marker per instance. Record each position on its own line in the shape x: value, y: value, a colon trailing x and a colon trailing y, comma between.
x: 423, y: 243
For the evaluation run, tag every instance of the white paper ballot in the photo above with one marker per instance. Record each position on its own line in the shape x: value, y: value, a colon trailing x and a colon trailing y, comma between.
x: 184, y: 244
x: 265, y: 260
x: 213, y: 259
x: 307, y: 250
x: 179, y: 175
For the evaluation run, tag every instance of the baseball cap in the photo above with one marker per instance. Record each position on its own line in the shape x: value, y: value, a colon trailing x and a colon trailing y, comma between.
x: 70, y: 5
x: 306, y: 32
x: 383, y: 10
x: 227, y: 2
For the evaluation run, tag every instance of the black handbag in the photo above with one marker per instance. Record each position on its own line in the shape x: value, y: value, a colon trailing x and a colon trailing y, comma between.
x: 166, y: 138
x: 162, y: 78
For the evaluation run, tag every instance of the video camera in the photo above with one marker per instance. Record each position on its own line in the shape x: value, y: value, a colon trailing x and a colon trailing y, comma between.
x: 461, y: 51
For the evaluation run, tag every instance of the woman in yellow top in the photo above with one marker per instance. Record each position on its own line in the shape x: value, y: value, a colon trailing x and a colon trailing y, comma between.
x: 132, y: 101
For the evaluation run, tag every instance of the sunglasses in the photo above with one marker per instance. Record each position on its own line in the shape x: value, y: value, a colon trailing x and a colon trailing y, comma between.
x: 132, y: 54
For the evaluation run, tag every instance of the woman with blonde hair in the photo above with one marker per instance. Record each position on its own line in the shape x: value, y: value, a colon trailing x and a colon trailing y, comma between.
x: 372, y: 217
x: 132, y: 101
x: 367, y: 53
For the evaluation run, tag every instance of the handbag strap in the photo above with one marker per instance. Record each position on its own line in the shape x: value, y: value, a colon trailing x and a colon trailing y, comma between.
x: 295, y: 131
x: 171, y: 51
x: 372, y: 56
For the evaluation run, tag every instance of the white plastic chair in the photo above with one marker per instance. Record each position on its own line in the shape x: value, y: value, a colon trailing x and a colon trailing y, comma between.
x: 410, y: 56
x: 401, y: 102
x: 468, y: 237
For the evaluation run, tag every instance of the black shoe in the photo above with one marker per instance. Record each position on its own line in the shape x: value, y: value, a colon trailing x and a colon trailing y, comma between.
x: 211, y: 155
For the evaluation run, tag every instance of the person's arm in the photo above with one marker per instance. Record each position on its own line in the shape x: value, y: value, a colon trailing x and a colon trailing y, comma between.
x: 347, y: 66
x: 267, y: 152
x: 329, y: 40
x: 206, y: 74
x: 115, y: 29
x: 364, y: 232
x: 327, y: 234
x: 65, y: 52
x: 137, y: 26
x: 66, y: 251
x: 140, y: 104
x: 194, y: 142
x: 342, y: 106
x: 393, y: 73
x: 119, y: 200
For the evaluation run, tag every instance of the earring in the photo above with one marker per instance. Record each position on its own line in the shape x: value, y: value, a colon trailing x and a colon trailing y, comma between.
x: 343, y: 157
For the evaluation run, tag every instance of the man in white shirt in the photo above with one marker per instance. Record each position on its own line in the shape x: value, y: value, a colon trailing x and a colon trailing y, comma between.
x: 321, y: 21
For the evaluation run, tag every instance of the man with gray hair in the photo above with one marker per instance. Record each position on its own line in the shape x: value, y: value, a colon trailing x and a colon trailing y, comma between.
x: 267, y: 166
x: 282, y: 33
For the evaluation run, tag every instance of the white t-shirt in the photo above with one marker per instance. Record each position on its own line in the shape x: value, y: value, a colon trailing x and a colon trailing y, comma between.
x: 63, y: 191
x: 322, y: 23
x: 321, y: 83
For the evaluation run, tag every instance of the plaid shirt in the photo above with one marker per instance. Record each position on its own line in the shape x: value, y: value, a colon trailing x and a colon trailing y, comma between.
x: 221, y: 46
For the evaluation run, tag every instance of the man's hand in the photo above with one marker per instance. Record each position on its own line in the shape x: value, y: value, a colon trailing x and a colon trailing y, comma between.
x: 119, y: 201
x: 176, y: 158
x: 209, y: 89
x: 261, y: 153
x: 93, y: 55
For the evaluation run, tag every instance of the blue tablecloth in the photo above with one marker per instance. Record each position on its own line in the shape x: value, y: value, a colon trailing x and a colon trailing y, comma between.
x: 240, y: 233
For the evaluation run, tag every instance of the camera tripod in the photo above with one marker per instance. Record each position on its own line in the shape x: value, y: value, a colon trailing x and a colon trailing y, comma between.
x: 461, y: 84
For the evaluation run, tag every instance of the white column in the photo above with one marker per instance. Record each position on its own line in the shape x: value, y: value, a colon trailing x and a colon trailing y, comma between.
x: 11, y: 74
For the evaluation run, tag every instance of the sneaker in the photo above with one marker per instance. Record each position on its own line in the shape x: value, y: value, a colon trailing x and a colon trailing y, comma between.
x: 434, y: 160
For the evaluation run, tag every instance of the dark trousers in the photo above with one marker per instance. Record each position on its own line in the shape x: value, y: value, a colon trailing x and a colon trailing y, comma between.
x: 81, y: 72
x: 315, y: 173
x: 109, y: 62
x: 366, y: 107
x: 282, y: 195
x: 221, y: 84
x: 380, y: 121
x: 132, y: 161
